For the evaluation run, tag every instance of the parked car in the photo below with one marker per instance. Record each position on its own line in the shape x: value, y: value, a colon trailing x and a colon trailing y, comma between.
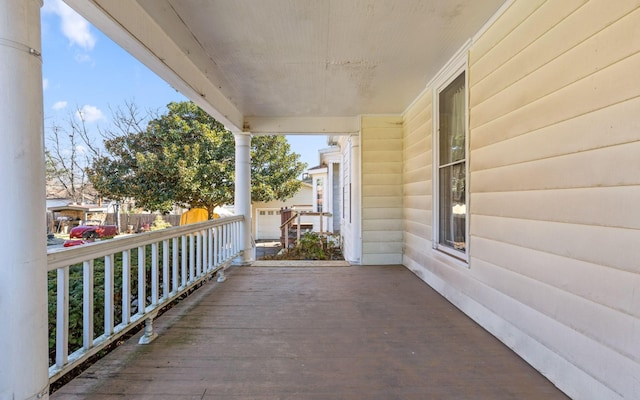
x: 93, y: 230
x: 73, y: 242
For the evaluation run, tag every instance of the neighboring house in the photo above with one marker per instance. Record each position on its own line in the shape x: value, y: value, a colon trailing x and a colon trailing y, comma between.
x: 266, y: 215
x: 326, y: 184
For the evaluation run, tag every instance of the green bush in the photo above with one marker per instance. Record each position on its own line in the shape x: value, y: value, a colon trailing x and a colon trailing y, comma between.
x: 313, y: 246
x: 159, y: 223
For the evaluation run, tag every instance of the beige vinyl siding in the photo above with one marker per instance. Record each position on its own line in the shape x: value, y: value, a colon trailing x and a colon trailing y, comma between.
x: 555, y: 182
x: 502, y: 28
x: 381, y: 146
x: 554, y: 162
x: 417, y: 177
x: 598, y: 129
x: 582, y: 20
x: 583, y: 206
x: 589, y: 70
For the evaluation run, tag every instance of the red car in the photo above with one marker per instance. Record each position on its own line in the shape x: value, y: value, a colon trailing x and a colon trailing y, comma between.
x: 93, y: 230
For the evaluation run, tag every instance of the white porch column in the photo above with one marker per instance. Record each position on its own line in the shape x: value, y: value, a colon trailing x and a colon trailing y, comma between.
x: 23, y: 250
x: 242, y: 198
x: 356, y: 198
x: 328, y: 194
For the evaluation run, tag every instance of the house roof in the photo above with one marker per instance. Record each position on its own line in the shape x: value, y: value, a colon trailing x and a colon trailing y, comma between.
x: 282, y: 66
x: 317, y: 169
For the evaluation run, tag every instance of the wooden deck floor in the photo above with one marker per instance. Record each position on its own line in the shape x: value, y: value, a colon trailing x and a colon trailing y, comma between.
x: 314, y: 333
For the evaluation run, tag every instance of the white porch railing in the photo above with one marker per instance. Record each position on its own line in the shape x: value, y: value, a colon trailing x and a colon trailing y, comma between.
x: 99, y: 291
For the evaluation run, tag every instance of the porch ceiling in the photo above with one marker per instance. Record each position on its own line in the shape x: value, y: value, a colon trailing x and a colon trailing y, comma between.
x: 303, y: 66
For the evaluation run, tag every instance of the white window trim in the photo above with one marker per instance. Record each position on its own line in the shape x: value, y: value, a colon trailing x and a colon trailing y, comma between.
x: 457, y: 65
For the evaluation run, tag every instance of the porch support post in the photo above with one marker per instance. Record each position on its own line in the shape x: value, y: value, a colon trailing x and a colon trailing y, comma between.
x: 329, y: 194
x: 23, y: 269
x: 243, y: 193
x: 356, y: 198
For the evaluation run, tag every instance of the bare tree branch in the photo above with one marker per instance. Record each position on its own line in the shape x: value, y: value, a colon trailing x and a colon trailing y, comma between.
x: 127, y: 119
x: 70, y: 151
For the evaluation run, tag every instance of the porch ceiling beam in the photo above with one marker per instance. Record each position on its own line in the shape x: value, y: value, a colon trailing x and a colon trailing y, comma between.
x: 129, y: 25
x: 302, y: 125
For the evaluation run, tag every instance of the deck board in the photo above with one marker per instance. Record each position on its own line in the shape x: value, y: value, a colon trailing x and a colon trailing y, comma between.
x: 314, y: 333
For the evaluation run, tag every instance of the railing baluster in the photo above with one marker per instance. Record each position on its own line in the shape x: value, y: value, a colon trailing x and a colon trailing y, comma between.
x: 210, y: 248
x: 221, y: 245
x: 183, y: 248
x: 205, y: 250
x: 236, y: 237
x: 62, y: 316
x: 198, y: 236
x: 231, y: 239
x: 87, y: 304
x: 154, y: 273
x: 216, y: 241
x: 108, y: 294
x: 126, y: 287
x: 142, y: 280
x: 174, y: 266
x: 225, y: 230
x: 223, y: 240
x: 165, y: 269
x: 192, y: 250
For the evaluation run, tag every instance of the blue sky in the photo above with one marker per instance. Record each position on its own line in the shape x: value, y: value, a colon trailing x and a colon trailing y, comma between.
x: 84, y: 70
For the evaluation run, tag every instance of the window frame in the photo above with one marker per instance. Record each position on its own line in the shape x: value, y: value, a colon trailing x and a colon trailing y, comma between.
x: 449, y: 74
x: 319, y: 193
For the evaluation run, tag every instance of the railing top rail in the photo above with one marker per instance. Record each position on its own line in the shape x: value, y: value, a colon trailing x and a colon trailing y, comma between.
x: 287, y: 222
x: 72, y: 255
x: 315, y: 213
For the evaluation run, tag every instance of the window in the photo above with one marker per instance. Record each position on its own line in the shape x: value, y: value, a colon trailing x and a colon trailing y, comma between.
x: 451, y: 168
x: 319, y: 195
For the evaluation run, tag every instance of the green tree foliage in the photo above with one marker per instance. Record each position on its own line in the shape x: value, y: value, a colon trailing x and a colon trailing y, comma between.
x: 186, y: 157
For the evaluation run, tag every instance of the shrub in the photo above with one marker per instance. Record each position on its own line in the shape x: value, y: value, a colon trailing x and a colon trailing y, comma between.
x: 313, y: 246
x: 159, y: 223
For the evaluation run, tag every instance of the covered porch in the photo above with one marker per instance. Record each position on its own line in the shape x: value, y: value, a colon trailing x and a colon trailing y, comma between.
x: 375, y: 332
x: 545, y: 97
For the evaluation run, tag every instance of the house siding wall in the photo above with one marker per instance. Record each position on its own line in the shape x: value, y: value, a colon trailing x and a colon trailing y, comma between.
x: 382, y: 153
x: 554, y: 97
x: 417, y: 178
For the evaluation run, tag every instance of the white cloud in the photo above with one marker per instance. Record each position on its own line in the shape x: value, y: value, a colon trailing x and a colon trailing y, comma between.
x: 82, y: 58
x: 59, y: 105
x: 74, y: 27
x: 90, y: 113
x: 45, y: 84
